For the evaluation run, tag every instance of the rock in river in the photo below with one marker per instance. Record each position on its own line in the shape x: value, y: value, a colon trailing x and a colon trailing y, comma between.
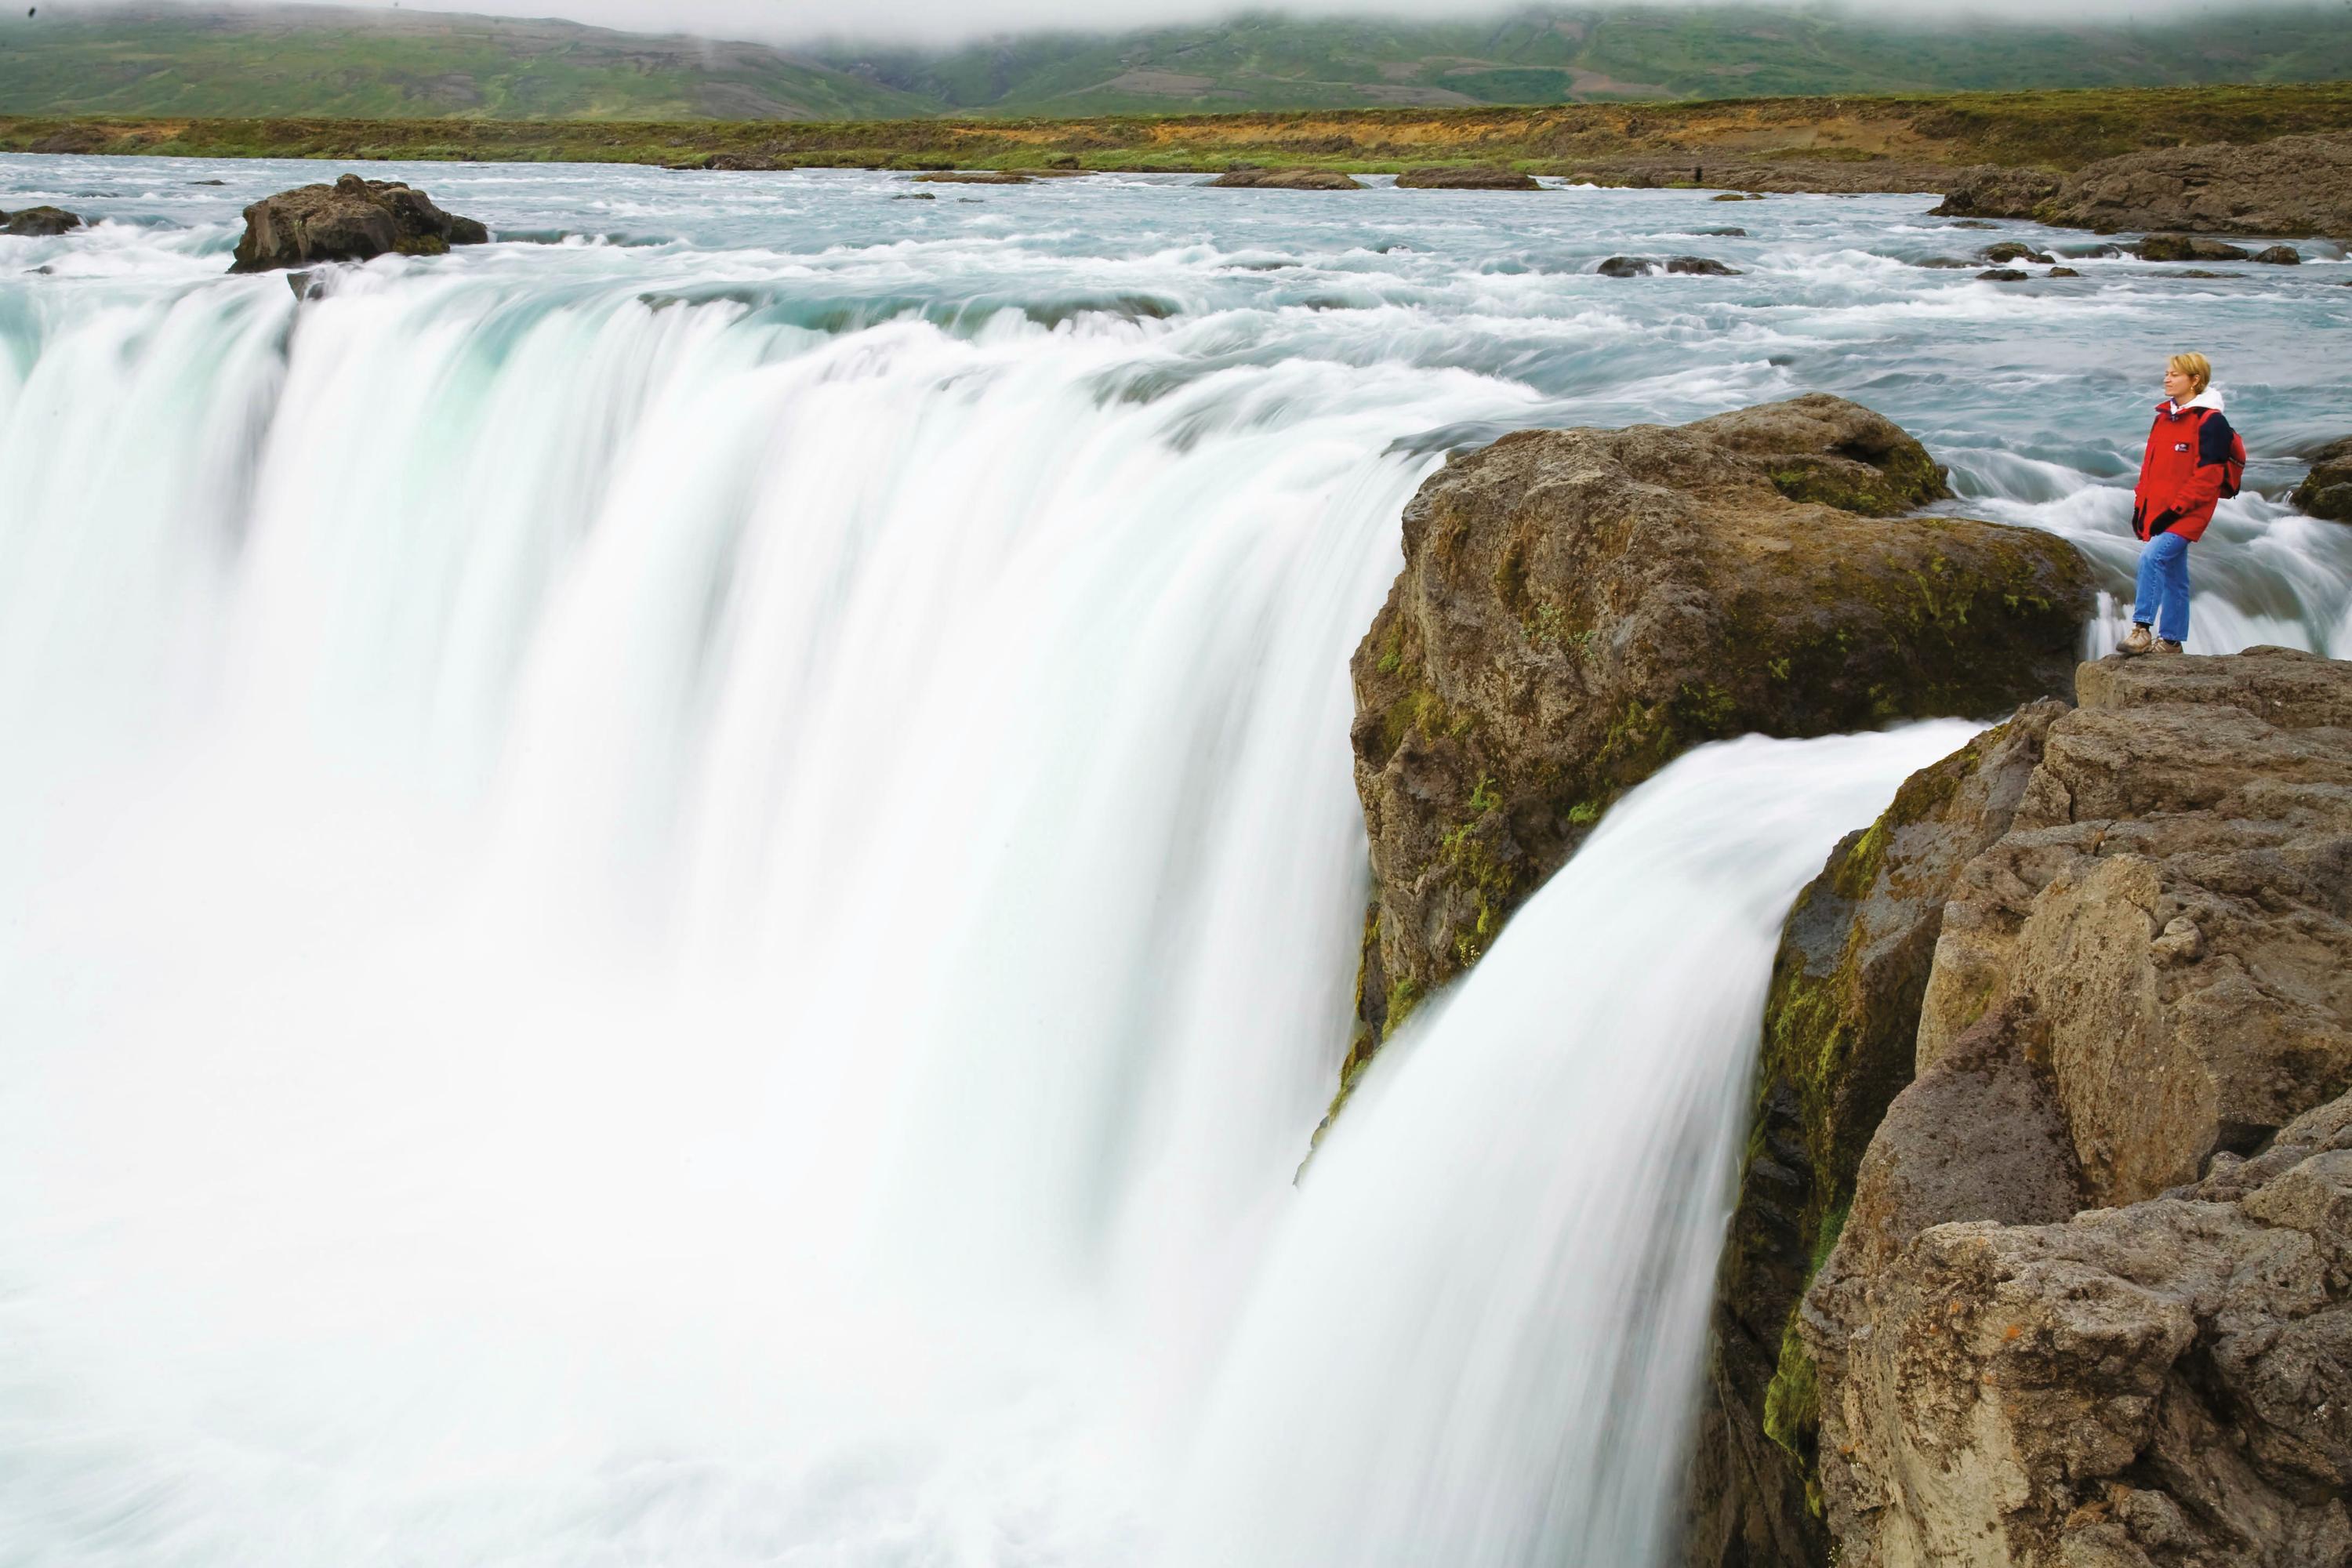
x: 1285, y: 180
x: 349, y: 220
x: 2326, y: 490
x: 1578, y: 608
x: 1477, y: 177
x: 41, y: 223
x: 2187, y: 247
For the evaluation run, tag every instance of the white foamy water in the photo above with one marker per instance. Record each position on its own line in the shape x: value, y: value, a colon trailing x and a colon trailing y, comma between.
x: 682, y: 893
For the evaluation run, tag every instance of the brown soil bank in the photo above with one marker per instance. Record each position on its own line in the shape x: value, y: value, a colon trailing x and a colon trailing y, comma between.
x: 1792, y: 143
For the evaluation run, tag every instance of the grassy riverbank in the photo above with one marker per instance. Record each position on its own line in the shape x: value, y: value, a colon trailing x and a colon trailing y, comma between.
x: 1807, y: 142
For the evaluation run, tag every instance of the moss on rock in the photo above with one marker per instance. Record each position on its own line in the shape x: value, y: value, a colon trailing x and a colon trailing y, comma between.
x: 1579, y: 607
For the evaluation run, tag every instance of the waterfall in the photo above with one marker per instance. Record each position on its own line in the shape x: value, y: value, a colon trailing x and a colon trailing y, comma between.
x: 690, y: 903
x: 1476, y: 1338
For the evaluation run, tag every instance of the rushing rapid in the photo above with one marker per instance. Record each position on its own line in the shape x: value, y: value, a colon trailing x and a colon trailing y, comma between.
x: 683, y: 889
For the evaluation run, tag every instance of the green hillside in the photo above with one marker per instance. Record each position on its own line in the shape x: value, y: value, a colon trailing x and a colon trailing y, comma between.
x: 71, y: 59
x: 1589, y: 55
x: 405, y: 65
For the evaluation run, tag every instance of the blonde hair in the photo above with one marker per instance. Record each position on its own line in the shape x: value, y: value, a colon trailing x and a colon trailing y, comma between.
x: 2196, y: 367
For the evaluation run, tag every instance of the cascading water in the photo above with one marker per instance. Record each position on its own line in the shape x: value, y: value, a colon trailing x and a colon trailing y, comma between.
x: 1484, y: 1314
x: 686, y: 895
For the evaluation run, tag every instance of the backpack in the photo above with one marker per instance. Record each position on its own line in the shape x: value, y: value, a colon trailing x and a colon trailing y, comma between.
x: 2233, y: 467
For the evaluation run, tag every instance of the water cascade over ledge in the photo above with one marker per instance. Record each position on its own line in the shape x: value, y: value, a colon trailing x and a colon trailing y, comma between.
x: 691, y: 901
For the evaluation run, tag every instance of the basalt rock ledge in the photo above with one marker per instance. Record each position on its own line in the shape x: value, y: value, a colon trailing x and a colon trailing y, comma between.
x: 2053, y: 1153
x: 1578, y: 608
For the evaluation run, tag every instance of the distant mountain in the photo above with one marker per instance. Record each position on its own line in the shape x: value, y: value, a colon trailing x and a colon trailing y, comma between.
x: 1553, y: 55
x: 325, y: 62
x: 351, y: 63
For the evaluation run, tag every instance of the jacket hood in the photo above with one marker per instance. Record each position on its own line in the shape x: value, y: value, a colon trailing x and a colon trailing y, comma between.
x: 2208, y: 399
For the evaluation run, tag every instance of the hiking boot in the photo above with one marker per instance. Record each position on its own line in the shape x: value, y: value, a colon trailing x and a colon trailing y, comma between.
x: 2139, y: 640
x: 2165, y: 645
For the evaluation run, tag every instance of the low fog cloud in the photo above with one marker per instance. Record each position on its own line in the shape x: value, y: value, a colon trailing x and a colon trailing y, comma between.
x: 948, y: 21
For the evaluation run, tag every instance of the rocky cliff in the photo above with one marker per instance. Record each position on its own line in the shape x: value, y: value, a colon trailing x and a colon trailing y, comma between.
x: 2082, y: 1299
x: 1578, y: 608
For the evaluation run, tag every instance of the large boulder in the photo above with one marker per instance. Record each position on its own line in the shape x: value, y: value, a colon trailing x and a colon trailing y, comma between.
x: 1474, y: 177
x: 2327, y: 489
x: 2291, y: 185
x: 1839, y: 1023
x: 38, y: 223
x: 1285, y: 180
x: 2088, y: 1305
x: 1578, y: 608
x: 349, y: 220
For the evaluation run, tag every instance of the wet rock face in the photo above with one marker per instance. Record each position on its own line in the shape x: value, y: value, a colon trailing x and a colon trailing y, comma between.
x: 1838, y: 1027
x: 1578, y: 608
x: 2327, y: 489
x: 1485, y: 177
x: 2293, y: 185
x: 38, y: 223
x: 1285, y: 180
x: 2091, y: 1301
x: 351, y: 220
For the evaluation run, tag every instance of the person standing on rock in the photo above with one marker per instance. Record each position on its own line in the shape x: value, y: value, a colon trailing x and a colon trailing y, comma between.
x: 2193, y: 460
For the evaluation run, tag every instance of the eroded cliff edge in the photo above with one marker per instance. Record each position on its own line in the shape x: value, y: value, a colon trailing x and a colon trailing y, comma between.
x: 2082, y: 1298
x: 1578, y: 608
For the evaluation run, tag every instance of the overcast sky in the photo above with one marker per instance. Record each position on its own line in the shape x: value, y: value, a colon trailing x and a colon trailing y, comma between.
x: 943, y: 21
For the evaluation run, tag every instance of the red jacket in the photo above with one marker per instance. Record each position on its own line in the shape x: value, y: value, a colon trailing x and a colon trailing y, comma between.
x: 2185, y: 469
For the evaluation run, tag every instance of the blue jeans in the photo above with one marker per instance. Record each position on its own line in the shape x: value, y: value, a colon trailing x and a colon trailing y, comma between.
x: 2163, y: 594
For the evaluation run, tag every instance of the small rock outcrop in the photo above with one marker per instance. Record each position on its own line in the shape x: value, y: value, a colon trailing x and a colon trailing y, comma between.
x: 1990, y: 191
x: 351, y: 220
x: 974, y: 177
x: 2010, y: 250
x: 38, y: 223
x: 1477, y: 177
x: 1578, y: 608
x: 2001, y: 274
x: 2289, y: 186
x: 2327, y: 489
x: 2187, y: 247
x: 2278, y: 256
x: 1642, y: 266
x: 1285, y: 180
